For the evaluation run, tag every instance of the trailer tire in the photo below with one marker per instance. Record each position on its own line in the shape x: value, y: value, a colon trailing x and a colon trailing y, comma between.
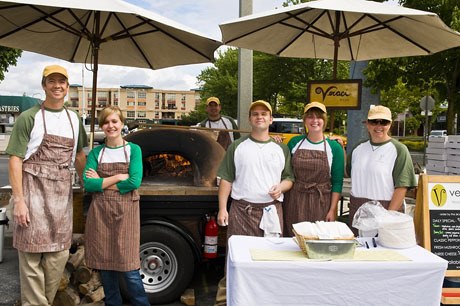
x: 167, y: 264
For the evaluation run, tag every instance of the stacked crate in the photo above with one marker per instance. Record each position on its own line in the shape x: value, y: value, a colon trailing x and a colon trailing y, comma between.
x: 453, y: 155
x: 436, y: 156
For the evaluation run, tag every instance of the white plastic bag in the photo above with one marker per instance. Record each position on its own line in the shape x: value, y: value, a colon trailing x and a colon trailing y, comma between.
x: 366, y: 219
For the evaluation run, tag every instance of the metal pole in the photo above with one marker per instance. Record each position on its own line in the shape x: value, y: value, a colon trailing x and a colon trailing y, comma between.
x: 404, y: 125
x: 425, y: 129
x: 245, y: 75
x: 83, y: 111
x: 94, y: 89
x: 3, y: 222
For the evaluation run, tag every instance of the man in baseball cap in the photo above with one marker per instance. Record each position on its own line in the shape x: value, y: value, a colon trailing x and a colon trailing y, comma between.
x: 255, y: 172
x: 55, y: 69
x: 46, y: 138
x: 220, y: 122
x: 260, y: 103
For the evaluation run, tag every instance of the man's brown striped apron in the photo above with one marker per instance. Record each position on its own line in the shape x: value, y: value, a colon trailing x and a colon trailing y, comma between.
x: 244, y: 217
x: 223, y: 138
x: 112, y: 233
x: 47, y: 187
x: 310, y: 197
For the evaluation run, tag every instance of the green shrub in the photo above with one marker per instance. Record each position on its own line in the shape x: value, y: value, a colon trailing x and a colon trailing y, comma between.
x: 413, y: 145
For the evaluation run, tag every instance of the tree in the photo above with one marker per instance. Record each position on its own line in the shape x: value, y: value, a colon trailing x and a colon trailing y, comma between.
x: 221, y: 81
x: 281, y: 81
x: 438, y: 74
x: 8, y: 57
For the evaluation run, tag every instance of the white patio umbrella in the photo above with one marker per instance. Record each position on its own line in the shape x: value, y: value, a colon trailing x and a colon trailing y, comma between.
x: 97, y: 32
x: 341, y: 30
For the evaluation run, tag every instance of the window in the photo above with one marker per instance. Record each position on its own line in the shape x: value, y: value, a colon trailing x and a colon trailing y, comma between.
x: 141, y: 94
x: 142, y: 103
x: 130, y: 114
x: 171, y: 98
x: 131, y: 95
x: 182, y: 102
x: 131, y: 103
x: 141, y: 114
x: 115, y: 98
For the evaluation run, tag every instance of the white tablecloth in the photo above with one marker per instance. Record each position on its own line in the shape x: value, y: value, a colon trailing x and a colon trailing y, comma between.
x: 252, y: 283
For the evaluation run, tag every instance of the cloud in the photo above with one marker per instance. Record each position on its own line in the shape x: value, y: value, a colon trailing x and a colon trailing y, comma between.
x: 200, y: 15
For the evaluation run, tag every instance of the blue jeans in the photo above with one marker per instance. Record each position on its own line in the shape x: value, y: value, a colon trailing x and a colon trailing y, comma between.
x: 133, y: 282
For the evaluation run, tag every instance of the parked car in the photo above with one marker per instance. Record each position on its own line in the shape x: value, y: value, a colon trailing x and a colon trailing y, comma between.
x: 438, y: 133
x: 290, y: 127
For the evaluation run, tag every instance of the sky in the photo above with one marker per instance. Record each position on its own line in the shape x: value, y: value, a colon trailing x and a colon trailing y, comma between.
x: 203, y: 16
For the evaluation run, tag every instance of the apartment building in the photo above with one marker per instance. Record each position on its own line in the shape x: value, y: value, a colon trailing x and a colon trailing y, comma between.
x: 144, y: 104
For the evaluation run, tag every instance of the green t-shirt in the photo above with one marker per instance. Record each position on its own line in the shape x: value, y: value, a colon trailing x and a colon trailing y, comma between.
x: 115, y: 155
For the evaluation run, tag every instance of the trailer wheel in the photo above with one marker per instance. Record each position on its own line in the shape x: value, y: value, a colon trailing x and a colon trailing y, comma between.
x: 167, y: 263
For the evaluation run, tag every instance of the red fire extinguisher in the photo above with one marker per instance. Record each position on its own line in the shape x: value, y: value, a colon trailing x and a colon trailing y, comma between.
x: 211, y: 231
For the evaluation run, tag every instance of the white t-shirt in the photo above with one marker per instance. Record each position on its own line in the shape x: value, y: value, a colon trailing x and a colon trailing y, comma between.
x: 57, y: 123
x: 219, y: 124
x: 376, y: 169
x: 254, y: 167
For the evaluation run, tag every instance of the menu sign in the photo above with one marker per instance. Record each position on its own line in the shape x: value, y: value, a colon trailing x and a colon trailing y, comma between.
x: 437, y: 218
x: 445, y: 236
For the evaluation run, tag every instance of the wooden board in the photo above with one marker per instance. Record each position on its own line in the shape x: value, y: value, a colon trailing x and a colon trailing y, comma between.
x: 450, y: 296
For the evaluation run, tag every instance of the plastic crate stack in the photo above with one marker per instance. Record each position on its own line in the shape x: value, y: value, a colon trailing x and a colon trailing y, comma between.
x: 437, y: 156
x: 453, y: 155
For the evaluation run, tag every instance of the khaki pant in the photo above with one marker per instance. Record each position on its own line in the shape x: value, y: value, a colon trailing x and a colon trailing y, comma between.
x: 40, y: 275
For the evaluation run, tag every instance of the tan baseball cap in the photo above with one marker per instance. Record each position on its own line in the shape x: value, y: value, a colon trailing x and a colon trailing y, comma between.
x: 314, y: 105
x: 212, y: 99
x: 379, y: 112
x: 260, y: 103
x: 55, y: 69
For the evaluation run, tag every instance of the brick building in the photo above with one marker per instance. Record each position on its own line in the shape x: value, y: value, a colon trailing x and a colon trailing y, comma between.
x: 144, y: 104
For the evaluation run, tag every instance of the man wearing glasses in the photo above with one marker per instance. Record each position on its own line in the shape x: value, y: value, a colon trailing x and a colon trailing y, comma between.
x: 381, y: 168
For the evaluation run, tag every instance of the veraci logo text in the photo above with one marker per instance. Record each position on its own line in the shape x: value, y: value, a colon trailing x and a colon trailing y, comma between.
x: 438, y: 195
x: 331, y: 91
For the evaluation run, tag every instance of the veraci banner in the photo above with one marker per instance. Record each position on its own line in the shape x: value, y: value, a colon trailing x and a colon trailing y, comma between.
x: 338, y: 94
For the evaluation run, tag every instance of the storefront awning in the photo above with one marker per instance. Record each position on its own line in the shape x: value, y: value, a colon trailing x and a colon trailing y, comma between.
x: 16, y: 104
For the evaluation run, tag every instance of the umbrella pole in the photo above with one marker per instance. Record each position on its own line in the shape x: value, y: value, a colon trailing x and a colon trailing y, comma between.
x: 94, y: 89
x: 94, y: 100
x: 334, y: 77
x: 334, y: 63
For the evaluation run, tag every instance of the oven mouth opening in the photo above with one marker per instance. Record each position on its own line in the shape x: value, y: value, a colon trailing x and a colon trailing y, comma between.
x: 167, y: 169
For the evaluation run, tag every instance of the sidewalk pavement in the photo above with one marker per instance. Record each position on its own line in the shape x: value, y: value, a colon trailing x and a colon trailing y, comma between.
x: 9, y: 271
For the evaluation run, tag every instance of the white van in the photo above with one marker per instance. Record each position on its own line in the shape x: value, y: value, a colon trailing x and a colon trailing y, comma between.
x: 438, y: 133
